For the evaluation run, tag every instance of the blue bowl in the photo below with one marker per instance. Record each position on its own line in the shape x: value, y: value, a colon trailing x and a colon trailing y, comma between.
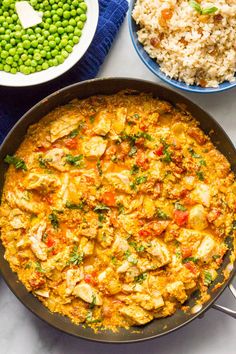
x: 155, y: 67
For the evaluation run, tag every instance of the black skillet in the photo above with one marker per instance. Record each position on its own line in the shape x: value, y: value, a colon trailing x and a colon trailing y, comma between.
x: 157, y: 327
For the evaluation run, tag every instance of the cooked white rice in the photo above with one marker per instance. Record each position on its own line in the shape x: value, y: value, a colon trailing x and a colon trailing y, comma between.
x: 190, y: 47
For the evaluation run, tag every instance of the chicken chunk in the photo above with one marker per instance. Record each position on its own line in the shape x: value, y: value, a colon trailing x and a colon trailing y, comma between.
x: 201, y: 194
x: 73, y: 276
x: 87, y: 293
x: 64, y: 125
x: 136, y: 314
x: 37, y: 246
x: 159, y: 250
x: 41, y: 182
x: 23, y: 201
x: 119, y: 180
x: 190, y: 238
x: 177, y: 290
x: 94, y: 147
x: 149, y: 302
x: 198, y: 218
x: 118, y: 124
x: 206, y: 249
x: 110, y: 281
x: 56, y: 159
x: 86, y: 246
x: 102, y: 124
x: 18, y: 219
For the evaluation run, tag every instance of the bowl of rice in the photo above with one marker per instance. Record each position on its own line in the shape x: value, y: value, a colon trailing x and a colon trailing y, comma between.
x: 190, y: 45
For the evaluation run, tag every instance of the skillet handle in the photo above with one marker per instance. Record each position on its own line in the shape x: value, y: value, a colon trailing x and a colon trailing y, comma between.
x: 226, y: 310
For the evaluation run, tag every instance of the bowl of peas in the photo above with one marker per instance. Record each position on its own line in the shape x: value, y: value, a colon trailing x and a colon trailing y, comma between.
x: 33, y: 55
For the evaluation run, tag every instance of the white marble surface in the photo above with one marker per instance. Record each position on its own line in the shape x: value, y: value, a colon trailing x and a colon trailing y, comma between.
x: 22, y: 333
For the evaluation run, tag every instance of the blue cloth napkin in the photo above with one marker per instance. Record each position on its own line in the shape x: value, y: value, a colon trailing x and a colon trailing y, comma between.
x: 14, y: 102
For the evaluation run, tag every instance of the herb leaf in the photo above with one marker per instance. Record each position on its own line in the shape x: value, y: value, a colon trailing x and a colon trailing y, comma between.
x: 190, y: 259
x: 99, y: 167
x: 132, y: 151
x: 93, y: 303
x: 207, y: 278
x: 200, y: 175
x: 74, y: 206
x: 75, y: 257
x: 54, y: 220
x: 134, y: 170
x: 161, y: 215
x: 16, y: 161
x: 194, y: 154
x: 209, y: 10
x: 196, y: 6
x: 140, y: 278
x: 74, y: 160
x: 100, y: 208
x: 179, y: 206
x: 38, y: 267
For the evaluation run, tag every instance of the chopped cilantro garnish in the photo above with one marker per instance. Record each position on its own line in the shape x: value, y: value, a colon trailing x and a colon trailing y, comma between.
x: 101, y: 208
x: 121, y: 208
x: 42, y: 162
x: 38, y: 267
x: 190, y: 259
x: 16, y: 161
x: 75, y: 257
x: 179, y: 206
x: 75, y: 206
x: 134, y: 170
x: 74, y: 160
x: 92, y: 119
x: 193, y: 153
x: 132, y: 151
x: 161, y: 215
x: 140, y: 278
x: 216, y: 256
x: 54, y: 220
x: 167, y: 155
x: 99, y: 167
x: 207, y: 278
x: 200, y: 175
x: 93, y: 303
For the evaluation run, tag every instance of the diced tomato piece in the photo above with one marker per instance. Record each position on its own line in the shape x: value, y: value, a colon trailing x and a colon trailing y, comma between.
x: 144, y: 127
x: 40, y: 149
x: 142, y: 161
x: 109, y: 199
x: 159, y: 151
x: 144, y: 233
x: 191, y: 267
x: 181, y: 217
x: 90, y: 279
x: 71, y: 143
x: 49, y: 241
x: 166, y: 14
x: 186, y: 252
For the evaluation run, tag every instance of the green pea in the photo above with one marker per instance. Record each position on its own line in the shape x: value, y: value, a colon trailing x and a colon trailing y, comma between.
x: 76, y: 39
x: 66, y: 14
x: 59, y: 11
x: 83, y: 17
x: 66, y: 7
x: 4, y: 54
x: 60, y: 30
x: 69, y: 29
x: 34, y: 44
x: 60, y: 59
x: 83, y: 6
x: 26, y: 44
x: 37, y: 56
x: 69, y: 48
x: 45, y: 66
x: 80, y: 24
x: 7, y: 68
x: 73, y: 12
x: 48, y: 56
x: 52, y: 44
x: 13, y: 71
x: 53, y: 29
x: 64, y: 42
x: 64, y: 53
x: 9, y: 60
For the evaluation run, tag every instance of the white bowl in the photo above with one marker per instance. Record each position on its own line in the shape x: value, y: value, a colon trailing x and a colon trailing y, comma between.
x: 19, y: 79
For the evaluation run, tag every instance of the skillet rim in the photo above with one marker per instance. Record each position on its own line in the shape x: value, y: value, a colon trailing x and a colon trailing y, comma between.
x: 125, y: 82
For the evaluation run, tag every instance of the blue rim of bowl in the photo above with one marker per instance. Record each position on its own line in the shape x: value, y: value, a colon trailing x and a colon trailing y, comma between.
x: 155, y: 68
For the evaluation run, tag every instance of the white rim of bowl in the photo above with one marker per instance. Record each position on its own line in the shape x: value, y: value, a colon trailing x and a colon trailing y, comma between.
x: 88, y: 32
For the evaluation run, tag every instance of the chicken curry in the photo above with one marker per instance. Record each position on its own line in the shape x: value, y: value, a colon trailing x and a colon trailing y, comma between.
x: 115, y: 209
